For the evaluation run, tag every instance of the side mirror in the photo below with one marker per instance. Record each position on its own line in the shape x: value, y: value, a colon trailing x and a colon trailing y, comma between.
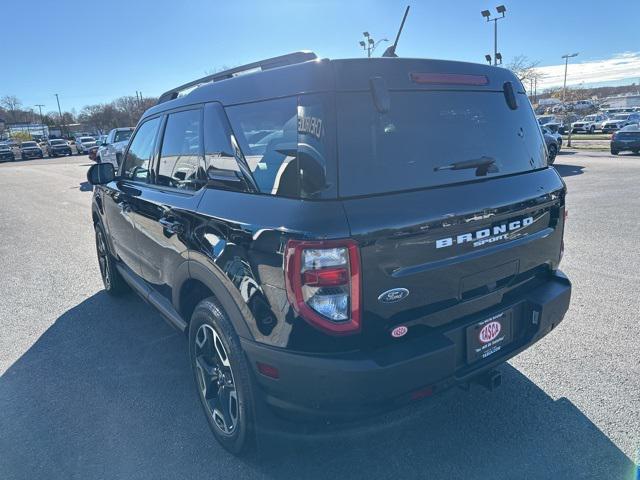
x: 101, y: 173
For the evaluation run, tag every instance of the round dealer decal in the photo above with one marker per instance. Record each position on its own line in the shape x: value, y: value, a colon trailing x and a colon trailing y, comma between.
x: 400, y: 331
x: 490, y: 331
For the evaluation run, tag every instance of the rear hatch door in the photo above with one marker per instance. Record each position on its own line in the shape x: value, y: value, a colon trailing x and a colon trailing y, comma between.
x: 446, y: 188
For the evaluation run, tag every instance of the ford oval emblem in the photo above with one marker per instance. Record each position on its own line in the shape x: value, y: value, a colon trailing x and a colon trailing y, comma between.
x: 393, y: 295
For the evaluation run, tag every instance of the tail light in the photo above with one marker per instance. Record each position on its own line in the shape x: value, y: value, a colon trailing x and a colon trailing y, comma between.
x: 323, y: 283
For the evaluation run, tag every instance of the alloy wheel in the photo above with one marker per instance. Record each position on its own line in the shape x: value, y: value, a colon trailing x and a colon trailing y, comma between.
x: 215, y: 380
x: 103, y: 259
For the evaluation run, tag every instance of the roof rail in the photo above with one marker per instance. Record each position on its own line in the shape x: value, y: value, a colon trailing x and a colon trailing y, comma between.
x: 280, y: 61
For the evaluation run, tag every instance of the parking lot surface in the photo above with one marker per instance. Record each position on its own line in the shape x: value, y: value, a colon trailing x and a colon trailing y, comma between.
x: 92, y: 387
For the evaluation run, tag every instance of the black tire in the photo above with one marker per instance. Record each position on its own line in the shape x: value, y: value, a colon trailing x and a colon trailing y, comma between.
x: 592, y: 129
x: 614, y: 152
x: 113, y: 282
x: 553, y: 152
x: 231, y: 420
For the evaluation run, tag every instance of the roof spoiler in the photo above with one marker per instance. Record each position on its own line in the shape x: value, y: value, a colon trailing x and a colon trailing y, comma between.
x: 280, y: 61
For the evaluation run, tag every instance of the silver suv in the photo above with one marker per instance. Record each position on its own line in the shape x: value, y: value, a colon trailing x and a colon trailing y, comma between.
x: 113, y: 147
x: 83, y: 144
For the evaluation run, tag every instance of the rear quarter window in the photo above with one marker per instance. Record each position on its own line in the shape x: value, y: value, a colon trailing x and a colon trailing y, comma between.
x: 289, y: 144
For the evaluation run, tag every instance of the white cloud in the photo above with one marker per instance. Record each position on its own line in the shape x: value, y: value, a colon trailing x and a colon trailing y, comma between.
x: 622, y: 66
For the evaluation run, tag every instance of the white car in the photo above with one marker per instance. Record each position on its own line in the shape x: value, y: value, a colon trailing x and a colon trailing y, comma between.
x: 589, y: 124
x: 112, y: 149
x: 83, y: 144
x: 620, y: 120
x: 583, y: 105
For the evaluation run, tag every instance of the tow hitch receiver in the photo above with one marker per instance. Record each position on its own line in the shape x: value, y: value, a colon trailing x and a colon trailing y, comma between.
x: 489, y: 380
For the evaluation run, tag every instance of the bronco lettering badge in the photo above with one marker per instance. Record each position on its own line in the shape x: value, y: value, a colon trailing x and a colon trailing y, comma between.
x: 481, y: 237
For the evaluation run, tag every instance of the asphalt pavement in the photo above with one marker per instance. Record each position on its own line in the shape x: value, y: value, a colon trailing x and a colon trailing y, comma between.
x: 92, y: 387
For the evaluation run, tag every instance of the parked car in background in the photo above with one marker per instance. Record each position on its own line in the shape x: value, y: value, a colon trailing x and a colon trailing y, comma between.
x: 552, y: 122
x: 553, y: 147
x: 620, y: 120
x: 581, y: 105
x: 626, y: 139
x: 556, y: 135
x: 57, y: 146
x: 83, y: 144
x: 113, y: 147
x: 589, y: 124
x: 6, y: 153
x: 30, y: 150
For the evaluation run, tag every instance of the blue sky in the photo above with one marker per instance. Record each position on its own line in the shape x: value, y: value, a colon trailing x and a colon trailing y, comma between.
x: 92, y: 52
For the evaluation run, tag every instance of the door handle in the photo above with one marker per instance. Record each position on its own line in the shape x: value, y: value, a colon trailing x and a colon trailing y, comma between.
x: 172, y: 226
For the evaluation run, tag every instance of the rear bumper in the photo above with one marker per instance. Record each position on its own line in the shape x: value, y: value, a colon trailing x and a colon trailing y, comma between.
x: 357, y: 384
x: 621, y: 146
x: 30, y: 154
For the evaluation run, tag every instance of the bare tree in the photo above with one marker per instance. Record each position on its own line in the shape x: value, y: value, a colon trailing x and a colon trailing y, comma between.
x: 12, y: 105
x: 524, y: 69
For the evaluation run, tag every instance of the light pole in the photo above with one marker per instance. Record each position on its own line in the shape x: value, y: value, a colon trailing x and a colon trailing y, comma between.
x: 60, y: 113
x: 566, y: 57
x: 369, y: 44
x: 487, y: 14
x: 40, y: 105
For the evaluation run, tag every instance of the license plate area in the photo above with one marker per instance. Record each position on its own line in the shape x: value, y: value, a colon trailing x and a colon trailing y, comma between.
x: 489, y: 336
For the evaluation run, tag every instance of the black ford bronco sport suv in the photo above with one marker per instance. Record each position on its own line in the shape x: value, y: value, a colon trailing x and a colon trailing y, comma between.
x: 337, y: 237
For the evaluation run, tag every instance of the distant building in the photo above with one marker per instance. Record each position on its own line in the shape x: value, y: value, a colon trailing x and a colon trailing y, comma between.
x: 36, y: 130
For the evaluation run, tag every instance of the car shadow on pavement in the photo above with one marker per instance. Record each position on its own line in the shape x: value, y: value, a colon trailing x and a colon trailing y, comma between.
x: 569, y: 170
x: 106, y: 392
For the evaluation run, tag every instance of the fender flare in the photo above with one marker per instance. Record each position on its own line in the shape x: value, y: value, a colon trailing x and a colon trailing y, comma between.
x: 238, y: 313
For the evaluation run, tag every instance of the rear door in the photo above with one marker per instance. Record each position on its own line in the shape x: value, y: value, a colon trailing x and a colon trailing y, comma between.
x: 120, y: 196
x: 450, y: 198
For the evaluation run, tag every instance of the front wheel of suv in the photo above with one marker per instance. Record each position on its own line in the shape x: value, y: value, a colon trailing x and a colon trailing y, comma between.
x: 113, y: 282
x: 553, y: 151
x: 222, y: 376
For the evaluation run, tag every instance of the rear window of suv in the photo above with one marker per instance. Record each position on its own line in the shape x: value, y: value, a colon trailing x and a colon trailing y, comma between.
x: 424, y: 130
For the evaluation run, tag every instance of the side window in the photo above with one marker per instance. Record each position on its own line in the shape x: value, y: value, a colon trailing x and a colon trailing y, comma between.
x: 220, y: 165
x: 267, y: 134
x: 136, y: 163
x: 180, y: 154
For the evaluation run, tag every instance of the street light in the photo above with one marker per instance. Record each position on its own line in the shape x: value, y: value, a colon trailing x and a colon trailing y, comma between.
x: 498, y: 58
x: 488, y: 58
x: 501, y: 9
x: 566, y: 57
x: 369, y: 44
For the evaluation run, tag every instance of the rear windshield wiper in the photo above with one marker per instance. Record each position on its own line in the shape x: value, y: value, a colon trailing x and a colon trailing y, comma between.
x: 483, y: 165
